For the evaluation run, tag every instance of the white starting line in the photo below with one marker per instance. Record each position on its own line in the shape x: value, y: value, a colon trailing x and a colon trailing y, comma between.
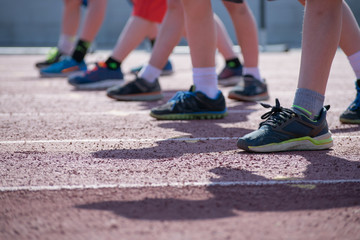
x: 180, y: 185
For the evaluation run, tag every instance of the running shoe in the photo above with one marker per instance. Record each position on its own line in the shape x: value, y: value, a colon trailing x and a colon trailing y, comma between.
x: 65, y: 67
x: 191, y: 105
x: 286, y: 130
x: 99, y: 78
x: 53, y: 56
x: 352, y: 113
x: 166, y: 71
x: 230, y: 76
x: 137, y: 90
x: 250, y: 90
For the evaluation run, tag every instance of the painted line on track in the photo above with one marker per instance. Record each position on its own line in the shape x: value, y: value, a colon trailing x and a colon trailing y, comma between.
x: 180, y: 185
x: 113, y: 112
x: 114, y: 140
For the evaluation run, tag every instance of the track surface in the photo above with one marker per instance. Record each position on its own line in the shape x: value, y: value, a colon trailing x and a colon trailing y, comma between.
x: 78, y: 165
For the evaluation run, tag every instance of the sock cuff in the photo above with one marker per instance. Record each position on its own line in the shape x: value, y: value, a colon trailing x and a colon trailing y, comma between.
x: 308, y: 101
x: 204, y: 71
x: 354, y: 57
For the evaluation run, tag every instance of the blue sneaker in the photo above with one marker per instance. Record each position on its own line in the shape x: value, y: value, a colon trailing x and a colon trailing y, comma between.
x: 99, y: 78
x: 352, y: 113
x: 230, y: 76
x: 191, y: 105
x: 286, y: 130
x: 166, y: 71
x: 63, y: 68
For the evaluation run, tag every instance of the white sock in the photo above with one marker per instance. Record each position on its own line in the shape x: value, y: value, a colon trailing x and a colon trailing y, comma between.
x: 355, y: 63
x: 66, y: 44
x: 206, y: 81
x: 149, y: 73
x: 254, y: 71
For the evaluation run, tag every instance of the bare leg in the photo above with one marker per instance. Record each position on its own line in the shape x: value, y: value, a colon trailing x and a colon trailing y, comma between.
x: 71, y: 17
x: 321, y: 35
x: 200, y: 30
x: 134, y: 32
x: 169, y: 34
x: 244, y: 20
x: 224, y: 43
x: 93, y: 20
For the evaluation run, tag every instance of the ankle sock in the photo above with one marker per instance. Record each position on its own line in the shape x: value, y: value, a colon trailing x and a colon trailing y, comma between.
x: 66, y: 44
x: 205, y: 81
x: 112, y: 64
x: 355, y: 63
x: 308, y: 102
x: 253, y: 71
x: 233, y: 63
x: 149, y: 73
x: 80, y: 50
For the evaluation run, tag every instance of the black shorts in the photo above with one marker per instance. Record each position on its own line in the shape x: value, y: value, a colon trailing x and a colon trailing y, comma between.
x: 234, y: 1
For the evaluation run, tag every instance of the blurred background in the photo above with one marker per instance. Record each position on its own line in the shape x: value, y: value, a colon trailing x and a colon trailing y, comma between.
x: 36, y: 23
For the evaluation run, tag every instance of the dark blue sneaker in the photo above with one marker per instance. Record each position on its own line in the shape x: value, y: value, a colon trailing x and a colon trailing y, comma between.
x: 65, y: 67
x: 191, y: 105
x: 166, y: 71
x: 230, y: 76
x: 352, y: 113
x: 250, y: 90
x: 137, y: 90
x: 286, y: 130
x: 99, y: 78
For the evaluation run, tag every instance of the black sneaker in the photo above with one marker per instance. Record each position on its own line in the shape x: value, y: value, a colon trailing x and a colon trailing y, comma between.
x: 53, y: 56
x: 251, y: 90
x: 352, y: 113
x: 191, y: 105
x: 230, y: 76
x: 286, y: 130
x: 137, y: 90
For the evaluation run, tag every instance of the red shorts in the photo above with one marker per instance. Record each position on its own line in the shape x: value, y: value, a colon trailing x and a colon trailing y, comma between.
x: 151, y: 10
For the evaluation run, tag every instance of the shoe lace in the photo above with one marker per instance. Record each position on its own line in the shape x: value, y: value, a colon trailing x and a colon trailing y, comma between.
x: 277, y: 115
x: 180, y: 96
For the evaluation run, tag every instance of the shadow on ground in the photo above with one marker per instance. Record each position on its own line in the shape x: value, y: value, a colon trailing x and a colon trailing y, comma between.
x: 198, y: 203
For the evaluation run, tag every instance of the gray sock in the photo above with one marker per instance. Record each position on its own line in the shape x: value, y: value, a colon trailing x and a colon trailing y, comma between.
x: 308, y: 102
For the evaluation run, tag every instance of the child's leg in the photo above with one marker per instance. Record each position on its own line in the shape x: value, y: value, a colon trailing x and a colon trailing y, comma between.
x: 70, y: 25
x: 285, y: 129
x: 93, y: 20
x: 200, y: 29
x: 134, y: 32
x: 321, y: 35
x: 224, y: 43
x: 244, y: 21
x: 169, y: 35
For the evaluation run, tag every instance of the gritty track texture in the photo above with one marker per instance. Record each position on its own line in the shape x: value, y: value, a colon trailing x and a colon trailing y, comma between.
x: 54, y: 136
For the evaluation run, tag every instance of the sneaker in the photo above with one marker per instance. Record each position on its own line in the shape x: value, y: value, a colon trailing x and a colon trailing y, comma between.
x: 286, y: 130
x: 137, y: 90
x: 251, y: 90
x: 191, y: 105
x: 65, y: 67
x: 53, y: 56
x: 166, y: 71
x: 352, y: 113
x: 99, y: 78
x: 230, y: 76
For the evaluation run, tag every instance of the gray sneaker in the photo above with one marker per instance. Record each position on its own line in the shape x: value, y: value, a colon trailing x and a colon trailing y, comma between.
x: 137, y: 90
x: 286, y: 130
x: 251, y: 90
